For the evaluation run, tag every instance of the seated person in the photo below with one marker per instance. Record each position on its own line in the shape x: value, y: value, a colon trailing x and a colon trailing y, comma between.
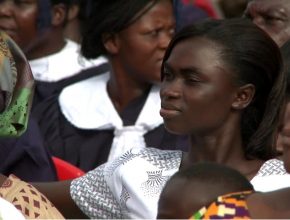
x: 22, y: 151
x: 16, y: 91
x: 197, y: 186
x: 38, y: 28
x: 229, y: 107
x: 275, y: 204
x: 98, y: 119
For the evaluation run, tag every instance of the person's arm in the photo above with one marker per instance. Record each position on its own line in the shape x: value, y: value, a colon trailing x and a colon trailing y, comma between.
x: 59, y: 194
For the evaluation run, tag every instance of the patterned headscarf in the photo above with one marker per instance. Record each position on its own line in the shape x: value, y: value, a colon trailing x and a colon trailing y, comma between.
x: 16, y: 83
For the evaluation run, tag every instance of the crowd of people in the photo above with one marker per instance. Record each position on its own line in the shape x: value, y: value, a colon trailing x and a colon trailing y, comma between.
x: 171, y: 108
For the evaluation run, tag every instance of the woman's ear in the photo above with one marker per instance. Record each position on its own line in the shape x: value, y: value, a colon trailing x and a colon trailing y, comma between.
x: 111, y: 43
x: 73, y: 12
x: 59, y: 15
x: 244, y: 97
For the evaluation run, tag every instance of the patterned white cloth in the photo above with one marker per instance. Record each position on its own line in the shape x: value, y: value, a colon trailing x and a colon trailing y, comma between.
x: 94, y: 110
x: 129, y: 187
x: 63, y: 64
x: 8, y: 211
x: 271, y: 176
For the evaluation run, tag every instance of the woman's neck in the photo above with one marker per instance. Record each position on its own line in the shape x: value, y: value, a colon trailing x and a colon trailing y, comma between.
x: 123, y: 90
x: 223, y: 147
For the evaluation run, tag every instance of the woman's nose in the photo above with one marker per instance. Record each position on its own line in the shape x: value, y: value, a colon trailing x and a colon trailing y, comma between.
x: 171, y: 90
x: 164, y: 39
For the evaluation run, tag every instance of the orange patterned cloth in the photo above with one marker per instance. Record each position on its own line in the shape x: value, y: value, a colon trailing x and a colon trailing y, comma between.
x: 230, y: 206
x: 26, y: 198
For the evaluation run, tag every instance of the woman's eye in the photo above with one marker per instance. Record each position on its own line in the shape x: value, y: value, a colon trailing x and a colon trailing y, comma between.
x: 192, y: 80
x: 154, y: 33
x: 272, y: 18
x: 166, y: 75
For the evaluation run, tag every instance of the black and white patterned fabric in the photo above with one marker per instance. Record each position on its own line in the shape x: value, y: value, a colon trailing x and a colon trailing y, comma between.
x: 129, y: 187
x: 271, y: 176
x: 272, y: 167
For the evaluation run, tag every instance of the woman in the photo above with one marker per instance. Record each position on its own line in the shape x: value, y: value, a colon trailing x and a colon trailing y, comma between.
x: 38, y: 28
x: 98, y: 119
x: 22, y: 151
x: 272, y: 16
x: 16, y: 92
x: 275, y: 204
x: 222, y: 84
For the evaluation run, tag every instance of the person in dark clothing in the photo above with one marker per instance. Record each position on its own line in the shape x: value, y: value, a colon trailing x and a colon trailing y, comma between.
x: 22, y: 151
x: 97, y: 119
x: 38, y: 28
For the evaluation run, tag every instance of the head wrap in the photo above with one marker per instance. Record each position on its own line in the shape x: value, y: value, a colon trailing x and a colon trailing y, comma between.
x: 16, y: 83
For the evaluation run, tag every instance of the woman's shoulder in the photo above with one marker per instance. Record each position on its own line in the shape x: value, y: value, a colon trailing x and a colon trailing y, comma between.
x: 144, y: 157
x: 272, y: 167
x: 271, y: 176
x: 85, y: 86
x: 137, y: 176
x: 138, y: 161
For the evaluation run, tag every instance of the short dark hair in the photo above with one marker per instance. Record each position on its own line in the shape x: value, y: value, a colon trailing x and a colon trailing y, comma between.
x: 254, y: 58
x: 223, y: 177
x: 110, y: 16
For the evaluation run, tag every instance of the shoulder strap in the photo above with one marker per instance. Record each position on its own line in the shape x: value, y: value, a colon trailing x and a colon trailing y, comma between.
x: 85, y: 74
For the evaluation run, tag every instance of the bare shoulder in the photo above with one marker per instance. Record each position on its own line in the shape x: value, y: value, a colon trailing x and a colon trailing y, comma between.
x: 274, y: 204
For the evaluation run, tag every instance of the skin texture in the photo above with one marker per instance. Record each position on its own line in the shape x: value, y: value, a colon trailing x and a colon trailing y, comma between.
x: 191, y: 196
x: 19, y: 20
x: 283, y: 140
x: 136, y: 54
x: 142, y: 45
x: 200, y: 98
x: 190, y: 87
x: 169, y: 209
x: 72, y: 28
x: 272, y: 16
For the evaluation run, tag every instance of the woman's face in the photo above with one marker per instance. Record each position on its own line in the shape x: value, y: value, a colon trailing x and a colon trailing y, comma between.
x: 273, y: 16
x: 143, y: 44
x: 18, y: 18
x: 197, y: 89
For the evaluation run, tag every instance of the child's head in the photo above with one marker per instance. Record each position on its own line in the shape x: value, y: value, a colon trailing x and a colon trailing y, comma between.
x: 190, y: 189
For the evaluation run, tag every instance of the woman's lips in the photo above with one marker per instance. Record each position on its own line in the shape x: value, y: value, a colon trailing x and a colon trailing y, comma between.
x: 169, y: 112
